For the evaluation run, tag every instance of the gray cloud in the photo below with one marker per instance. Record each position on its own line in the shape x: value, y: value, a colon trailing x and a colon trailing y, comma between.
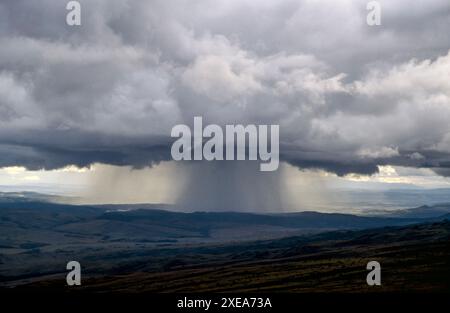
x: 348, y: 97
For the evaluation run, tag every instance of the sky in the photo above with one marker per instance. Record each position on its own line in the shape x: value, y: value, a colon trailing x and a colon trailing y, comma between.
x: 88, y: 109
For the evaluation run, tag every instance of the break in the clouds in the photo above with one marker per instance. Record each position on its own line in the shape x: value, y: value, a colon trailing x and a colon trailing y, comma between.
x: 348, y: 97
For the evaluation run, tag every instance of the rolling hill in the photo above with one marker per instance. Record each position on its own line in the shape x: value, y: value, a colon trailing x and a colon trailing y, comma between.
x: 37, y: 238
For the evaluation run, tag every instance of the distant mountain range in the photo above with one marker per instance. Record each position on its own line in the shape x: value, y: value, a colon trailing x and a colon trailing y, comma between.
x: 46, y: 221
x: 425, y: 211
x: 36, y: 220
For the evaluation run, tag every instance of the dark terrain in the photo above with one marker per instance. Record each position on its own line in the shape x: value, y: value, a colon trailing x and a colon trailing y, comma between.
x: 161, y: 251
x: 414, y: 259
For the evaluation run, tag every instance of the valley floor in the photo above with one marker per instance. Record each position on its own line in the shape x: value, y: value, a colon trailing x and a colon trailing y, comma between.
x: 413, y: 259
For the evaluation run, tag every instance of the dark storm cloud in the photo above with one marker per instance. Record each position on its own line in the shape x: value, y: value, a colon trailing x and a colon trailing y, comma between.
x: 52, y: 151
x: 347, y: 97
